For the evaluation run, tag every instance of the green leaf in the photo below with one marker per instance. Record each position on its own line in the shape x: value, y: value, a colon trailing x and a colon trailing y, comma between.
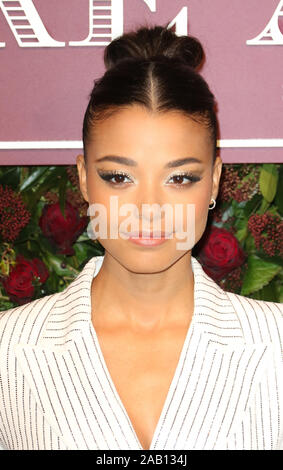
x: 84, y: 251
x: 10, y: 176
x: 33, y: 178
x: 6, y: 305
x: 241, y: 234
x: 252, y: 205
x: 268, y: 180
x: 94, y: 248
x: 56, y: 262
x: 83, y: 237
x: 264, y: 206
x: 45, y: 244
x: 259, y: 273
x: 278, y: 201
x: 81, y: 252
x: 272, y: 259
x: 250, y: 244
x: 267, y: 293
x: 49, y: 181
x: 54, y: 283
x: 241, y: 226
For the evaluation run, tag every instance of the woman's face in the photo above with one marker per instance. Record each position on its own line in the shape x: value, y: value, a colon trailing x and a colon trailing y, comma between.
x: 150, y: 141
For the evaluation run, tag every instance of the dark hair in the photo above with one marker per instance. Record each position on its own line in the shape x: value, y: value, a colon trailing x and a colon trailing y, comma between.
x: 157, y: 69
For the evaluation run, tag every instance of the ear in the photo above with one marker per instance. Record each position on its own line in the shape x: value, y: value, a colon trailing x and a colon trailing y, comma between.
x: 217, y: 170
x: 82, y: 176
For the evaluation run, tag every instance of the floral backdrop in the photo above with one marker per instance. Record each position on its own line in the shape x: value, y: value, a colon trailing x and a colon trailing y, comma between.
x: 44, y: 242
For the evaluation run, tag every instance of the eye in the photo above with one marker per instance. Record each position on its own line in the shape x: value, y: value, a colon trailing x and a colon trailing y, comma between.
x: 119, y: 178
x: 117, y: 175
x: 179, y: 177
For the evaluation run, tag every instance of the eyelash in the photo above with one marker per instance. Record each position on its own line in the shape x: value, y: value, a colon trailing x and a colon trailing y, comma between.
x: 107, y: 176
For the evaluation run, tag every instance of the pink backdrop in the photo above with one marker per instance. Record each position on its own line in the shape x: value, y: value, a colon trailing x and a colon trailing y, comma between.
x: 44, y: 90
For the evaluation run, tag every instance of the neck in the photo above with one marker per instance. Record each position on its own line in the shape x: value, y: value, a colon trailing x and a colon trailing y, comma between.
x: 150, y: 301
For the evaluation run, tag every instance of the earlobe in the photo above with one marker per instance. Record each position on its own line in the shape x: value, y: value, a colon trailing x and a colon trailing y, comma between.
x: 82, y: 176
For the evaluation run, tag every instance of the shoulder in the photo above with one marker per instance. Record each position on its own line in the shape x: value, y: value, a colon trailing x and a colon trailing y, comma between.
x: 24, y: 323
x: 258, y: 321
x: 256, y: 305
x: 261, y: 321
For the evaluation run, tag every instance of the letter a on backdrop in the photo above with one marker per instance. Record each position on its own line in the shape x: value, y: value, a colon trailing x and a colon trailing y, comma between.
x: 271, y: 31
x: 31, y: 34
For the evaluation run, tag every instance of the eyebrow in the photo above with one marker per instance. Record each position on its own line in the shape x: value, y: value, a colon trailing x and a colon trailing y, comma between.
x: 130, y: 162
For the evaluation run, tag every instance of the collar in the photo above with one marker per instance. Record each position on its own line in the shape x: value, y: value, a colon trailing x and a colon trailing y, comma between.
x: 71, y: 312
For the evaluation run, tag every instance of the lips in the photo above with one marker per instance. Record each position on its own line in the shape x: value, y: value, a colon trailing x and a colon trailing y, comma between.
x: 149, y: 235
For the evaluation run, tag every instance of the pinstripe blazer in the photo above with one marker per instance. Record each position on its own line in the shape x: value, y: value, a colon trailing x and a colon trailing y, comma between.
x: 226, y: 393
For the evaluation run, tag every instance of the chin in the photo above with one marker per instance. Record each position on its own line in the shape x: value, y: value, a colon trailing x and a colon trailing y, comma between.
x: 142, y: 260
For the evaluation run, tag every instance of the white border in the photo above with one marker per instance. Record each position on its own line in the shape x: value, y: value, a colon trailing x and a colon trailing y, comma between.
x: 78, y: 144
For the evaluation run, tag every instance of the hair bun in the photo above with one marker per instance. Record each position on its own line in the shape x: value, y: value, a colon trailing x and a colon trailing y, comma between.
x: 149, y: 42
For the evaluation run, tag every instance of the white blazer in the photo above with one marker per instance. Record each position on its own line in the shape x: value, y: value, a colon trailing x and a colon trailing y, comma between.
x: 56, y: 391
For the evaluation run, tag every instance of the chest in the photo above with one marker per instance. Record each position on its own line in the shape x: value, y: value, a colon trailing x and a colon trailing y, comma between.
x: 142, y: 369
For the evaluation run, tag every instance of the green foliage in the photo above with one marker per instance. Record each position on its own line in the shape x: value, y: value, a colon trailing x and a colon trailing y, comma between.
x: 268, y: 181
x: 278, y: 201
x: 258, y: 275
x: 33, y: 183
x: 262, y: 274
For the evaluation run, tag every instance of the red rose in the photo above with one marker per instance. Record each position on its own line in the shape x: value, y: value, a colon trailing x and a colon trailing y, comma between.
x: 19, y: 284
x: 60, y: 231
x: 220, y: 253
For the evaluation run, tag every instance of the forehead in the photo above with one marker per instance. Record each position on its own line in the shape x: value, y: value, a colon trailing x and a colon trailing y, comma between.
x: 134, y: 129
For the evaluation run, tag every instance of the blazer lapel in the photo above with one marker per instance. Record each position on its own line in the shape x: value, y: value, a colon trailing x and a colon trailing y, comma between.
x: 70, y: 388
x: 225, y: 369
x: 66, y: 377
x: 220, y: 387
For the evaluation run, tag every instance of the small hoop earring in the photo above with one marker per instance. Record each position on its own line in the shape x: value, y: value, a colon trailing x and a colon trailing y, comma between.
x: 214, y: 204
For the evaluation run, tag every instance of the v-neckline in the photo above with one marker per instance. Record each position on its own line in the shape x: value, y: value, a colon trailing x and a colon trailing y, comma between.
x: 176, y: 374
x: 167, y: 402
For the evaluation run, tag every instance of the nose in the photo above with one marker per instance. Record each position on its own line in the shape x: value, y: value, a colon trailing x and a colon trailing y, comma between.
x: 149, y: 203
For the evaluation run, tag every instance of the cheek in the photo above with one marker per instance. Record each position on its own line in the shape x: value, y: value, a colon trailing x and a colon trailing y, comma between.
x: 199, y: 195
x: 106, y: 207
x: 200, y: 198
x: 201, y: 204
x: 202, y: 211
x: 98, y: 194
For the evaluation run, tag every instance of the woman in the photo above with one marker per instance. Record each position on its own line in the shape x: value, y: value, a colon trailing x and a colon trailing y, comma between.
x: 143, y: 350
